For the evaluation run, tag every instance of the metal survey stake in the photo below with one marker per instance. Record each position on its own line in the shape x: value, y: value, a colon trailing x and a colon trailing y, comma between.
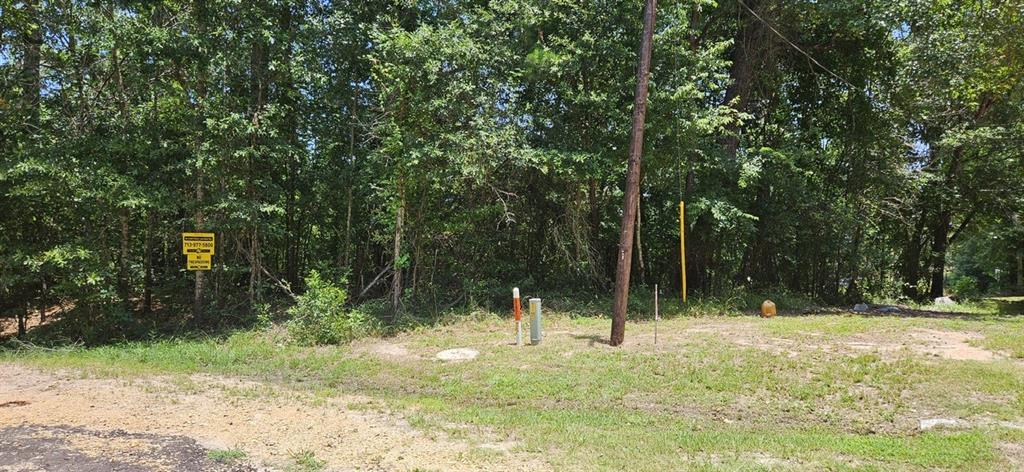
x: 535, y: 330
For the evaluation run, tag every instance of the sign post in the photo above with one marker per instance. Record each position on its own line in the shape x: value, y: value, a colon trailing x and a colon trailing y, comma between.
x: 199, y: 249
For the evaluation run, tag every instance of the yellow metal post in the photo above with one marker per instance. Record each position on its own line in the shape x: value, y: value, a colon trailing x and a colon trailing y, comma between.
x: 682, y: 245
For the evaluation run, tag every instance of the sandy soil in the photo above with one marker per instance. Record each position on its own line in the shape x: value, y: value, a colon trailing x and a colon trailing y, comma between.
x: 956, y: 345
x: 269, y: 425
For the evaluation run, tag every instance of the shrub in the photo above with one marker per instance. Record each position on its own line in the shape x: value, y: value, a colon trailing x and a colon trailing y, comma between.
x: 965, y: 286
x: 320, y: 317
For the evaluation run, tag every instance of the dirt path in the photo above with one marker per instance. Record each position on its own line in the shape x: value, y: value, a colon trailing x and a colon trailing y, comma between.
x: 167, y: 423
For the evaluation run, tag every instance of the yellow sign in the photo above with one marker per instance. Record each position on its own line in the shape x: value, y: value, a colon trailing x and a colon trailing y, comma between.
x: 199, y: 261
x: 198, y: 243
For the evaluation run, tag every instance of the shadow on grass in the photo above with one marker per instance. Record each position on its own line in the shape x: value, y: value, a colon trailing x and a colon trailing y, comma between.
x: 96, y: 327
x: 592, y: 339
x: 999, y: 310
x: 1010, y: 306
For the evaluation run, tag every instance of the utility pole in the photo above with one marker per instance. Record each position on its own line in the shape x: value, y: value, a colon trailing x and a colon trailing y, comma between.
x: 632, y: 198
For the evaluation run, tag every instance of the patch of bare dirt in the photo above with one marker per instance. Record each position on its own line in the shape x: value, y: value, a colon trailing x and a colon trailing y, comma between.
x: 221, y: 413
x: 1013, y: 453
x: 385, y: 350
x: 929, y: 343
x: 955, y: 345
x: 75, y: 449
x: 951, y: 345
x: 9, y: 326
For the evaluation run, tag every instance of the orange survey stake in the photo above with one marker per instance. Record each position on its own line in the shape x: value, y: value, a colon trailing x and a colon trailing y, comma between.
x: 517, y: 310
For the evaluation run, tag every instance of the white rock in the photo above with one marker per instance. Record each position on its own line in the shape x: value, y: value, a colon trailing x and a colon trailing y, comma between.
x: 457, y: 354
x: 930, y: 423
x: 860, y: 307
x: 944, y: 301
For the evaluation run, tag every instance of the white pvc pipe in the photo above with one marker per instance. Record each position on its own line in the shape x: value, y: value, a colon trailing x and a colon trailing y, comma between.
x: 518, y: 315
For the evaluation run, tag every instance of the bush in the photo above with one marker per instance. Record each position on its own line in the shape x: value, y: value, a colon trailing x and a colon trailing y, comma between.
x: 320, y: 317
x: 965, y: 286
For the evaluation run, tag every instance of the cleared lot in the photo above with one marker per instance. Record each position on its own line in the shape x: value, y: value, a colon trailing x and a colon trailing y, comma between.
x: 841, y: 391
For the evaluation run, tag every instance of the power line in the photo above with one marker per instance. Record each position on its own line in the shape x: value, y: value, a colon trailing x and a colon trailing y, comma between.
x: 794, y: 46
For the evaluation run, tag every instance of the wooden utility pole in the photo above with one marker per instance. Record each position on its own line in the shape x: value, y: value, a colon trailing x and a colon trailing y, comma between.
x: 632, y: 198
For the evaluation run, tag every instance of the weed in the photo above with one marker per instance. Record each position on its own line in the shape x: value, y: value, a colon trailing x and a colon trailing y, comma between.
x: 225, y: 456
x: 306, y: 461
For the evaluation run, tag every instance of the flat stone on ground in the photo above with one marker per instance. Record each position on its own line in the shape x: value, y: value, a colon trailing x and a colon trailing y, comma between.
x: 457, y: 354
x: 930, y: 423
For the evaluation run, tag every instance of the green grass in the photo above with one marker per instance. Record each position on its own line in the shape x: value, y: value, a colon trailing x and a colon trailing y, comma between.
x: 717, y: 393
x: 306, y: 461
x: 225, y: 456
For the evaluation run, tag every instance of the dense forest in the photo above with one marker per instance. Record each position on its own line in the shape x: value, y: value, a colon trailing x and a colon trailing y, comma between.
x: 425, y: 154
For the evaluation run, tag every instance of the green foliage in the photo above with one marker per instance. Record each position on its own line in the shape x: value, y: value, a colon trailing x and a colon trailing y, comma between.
x: 300, y: 130
x: 321, y: 317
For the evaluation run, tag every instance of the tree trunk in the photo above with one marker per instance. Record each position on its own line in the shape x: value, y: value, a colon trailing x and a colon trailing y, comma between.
x: 31, y: 77
x: 291, y: 130
x: 632, y: 196
x: 197, y: 304
x: 396, y: 281
x: 43, y: 299
x: 942, y: 225
x: 595, y: 210
x: 254, y: 265
x: 940, y: 242
x: 31, y: 85
x: 910, y: 274
x: 1020, y: 271
x: 122, y: 275
x: 853, y: 287
x: 147, y: 264
x: 747, y: 48
x: 346, y: 250
x: 199, y: 11
x: 291, y: 241
x: 22, y: 318
x: 258, y: 86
